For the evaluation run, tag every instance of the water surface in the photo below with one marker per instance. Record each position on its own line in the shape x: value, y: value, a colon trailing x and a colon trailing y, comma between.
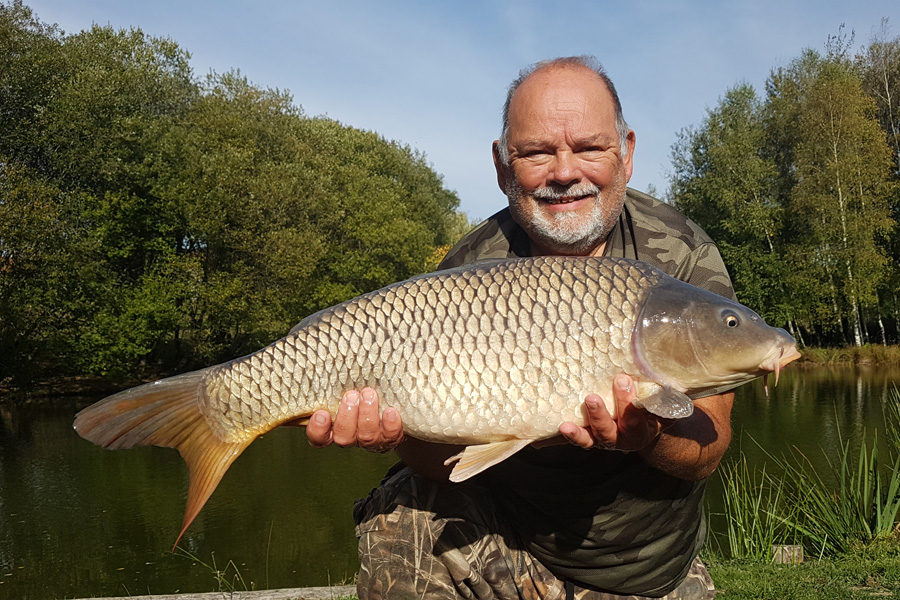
x: 78, y: 521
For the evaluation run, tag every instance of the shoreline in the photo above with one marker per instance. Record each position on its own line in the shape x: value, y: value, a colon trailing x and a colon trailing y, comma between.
x: 311, y: 593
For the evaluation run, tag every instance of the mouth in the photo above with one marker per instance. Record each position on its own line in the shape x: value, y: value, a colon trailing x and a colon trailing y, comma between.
x: 566, y: 202
x: 777, y: 361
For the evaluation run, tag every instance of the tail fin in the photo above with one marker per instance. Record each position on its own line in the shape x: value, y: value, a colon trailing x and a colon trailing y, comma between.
x: 165, y: 413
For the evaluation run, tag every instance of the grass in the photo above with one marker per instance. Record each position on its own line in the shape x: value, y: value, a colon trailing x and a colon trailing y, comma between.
x: 228, y: 580
x: 867, y: 574
x: 754, y: 509
x: 870, y: 354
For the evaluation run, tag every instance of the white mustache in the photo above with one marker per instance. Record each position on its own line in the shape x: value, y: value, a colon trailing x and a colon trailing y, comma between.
x: 570, y: 191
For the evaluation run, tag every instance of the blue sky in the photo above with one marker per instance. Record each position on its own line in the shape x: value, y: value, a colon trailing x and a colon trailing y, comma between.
x: 433, y: 74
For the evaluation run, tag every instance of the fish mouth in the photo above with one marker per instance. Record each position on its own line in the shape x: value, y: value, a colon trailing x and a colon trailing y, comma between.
x: 778, y: 359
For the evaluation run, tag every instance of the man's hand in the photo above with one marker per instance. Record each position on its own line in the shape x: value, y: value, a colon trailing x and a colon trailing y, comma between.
x: 357, y: 424
x: 631, y: 429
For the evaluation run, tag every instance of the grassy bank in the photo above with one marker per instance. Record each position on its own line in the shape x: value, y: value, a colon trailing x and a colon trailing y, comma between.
x: 870, y: 354
x: 853, y: 576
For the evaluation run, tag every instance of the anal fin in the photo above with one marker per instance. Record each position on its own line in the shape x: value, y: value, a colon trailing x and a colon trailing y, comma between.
x: 475, y: 459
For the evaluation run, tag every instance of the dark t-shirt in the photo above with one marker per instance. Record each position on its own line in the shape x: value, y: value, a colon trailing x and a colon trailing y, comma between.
x: 607, y: 520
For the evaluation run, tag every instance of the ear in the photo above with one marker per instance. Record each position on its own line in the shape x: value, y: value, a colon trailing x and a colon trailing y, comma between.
x: 628, y: 156
x: 503, y: 174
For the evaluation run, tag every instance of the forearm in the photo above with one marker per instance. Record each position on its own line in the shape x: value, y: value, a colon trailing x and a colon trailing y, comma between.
x: 692, y: 448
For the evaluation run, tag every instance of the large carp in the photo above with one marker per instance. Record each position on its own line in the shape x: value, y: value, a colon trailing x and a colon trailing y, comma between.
x: 494, y: 355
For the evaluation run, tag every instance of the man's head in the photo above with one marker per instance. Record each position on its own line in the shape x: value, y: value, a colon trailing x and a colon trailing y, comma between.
x: 564, y: 155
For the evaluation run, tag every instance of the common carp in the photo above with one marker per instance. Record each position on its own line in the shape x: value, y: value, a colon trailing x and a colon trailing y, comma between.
x: 494, y: 355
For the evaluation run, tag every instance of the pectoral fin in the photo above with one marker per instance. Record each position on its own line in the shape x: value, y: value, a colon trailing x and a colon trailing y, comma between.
x: 475, y: 459
x: 667, y: 403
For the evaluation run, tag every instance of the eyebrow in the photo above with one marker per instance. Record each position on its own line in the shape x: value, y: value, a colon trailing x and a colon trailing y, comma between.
x: 598, y: 138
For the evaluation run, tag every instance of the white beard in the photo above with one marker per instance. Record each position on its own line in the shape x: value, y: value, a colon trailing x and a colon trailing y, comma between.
x: 570, y: 232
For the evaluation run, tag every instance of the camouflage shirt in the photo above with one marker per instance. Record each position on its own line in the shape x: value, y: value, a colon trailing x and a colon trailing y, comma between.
x: 606, y: 520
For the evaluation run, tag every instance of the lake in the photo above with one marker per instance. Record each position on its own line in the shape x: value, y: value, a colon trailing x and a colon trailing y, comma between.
x: 78, y: 521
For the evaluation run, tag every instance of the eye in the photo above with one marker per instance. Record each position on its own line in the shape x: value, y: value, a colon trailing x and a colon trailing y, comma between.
x: 731, y: 320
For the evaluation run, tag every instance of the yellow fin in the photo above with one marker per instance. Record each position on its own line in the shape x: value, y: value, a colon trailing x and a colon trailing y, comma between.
x: 475, y: 459
x: 165, y: 413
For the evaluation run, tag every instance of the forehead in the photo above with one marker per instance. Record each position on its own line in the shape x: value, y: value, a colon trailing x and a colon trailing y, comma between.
x: 561, y: 97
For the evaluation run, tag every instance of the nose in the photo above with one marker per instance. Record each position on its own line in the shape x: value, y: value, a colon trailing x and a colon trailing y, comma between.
x: 566, y: 169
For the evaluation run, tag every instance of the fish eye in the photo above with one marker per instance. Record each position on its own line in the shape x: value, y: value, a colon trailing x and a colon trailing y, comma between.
x: 731, y: 320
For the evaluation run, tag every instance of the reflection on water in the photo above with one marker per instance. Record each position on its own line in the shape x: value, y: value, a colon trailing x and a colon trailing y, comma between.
x: 77, y: 521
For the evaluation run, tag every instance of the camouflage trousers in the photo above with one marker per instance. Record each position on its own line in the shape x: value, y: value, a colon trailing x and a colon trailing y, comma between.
x: 419, y: 539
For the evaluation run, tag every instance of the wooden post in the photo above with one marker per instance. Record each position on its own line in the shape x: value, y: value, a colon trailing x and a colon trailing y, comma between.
x: 787, y: 554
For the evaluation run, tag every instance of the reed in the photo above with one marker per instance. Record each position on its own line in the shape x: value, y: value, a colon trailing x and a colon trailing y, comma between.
x: 851, y: 505
x: 870, y: 354
x: 752, y: 503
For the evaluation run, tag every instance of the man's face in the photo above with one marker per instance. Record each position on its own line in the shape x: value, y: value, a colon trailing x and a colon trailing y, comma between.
x: 567, y: 171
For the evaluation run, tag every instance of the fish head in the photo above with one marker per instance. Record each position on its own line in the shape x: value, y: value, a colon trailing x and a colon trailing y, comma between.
x: 691, y: 339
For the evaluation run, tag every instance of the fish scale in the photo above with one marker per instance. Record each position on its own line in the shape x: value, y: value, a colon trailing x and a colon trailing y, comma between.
x: 492, y: 356
x: 534, y: 302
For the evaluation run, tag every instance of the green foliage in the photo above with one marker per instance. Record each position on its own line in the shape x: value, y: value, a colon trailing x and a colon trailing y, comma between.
x: 153, y: 222
x: 801, y: 191
x: 725, y: 182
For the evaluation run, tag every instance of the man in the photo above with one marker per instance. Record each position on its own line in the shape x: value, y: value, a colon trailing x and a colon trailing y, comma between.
x: 617, y: 511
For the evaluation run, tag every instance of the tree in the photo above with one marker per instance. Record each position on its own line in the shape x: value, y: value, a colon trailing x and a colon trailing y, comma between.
x: 880, y: 68
x: 724, y: 181
x: 840, y: 200
x: 153, y: 223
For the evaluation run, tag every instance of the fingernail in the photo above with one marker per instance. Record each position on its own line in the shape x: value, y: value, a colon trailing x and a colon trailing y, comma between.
x: 320, y: 418
x: 351, y: 398
x: 389, y: 415
x: 623, y: 382
x: 368, y: 396
x: 592, y: 403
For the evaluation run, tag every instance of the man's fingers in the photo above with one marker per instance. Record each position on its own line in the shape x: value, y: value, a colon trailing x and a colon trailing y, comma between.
x: 346, y: 421
x: 600, y: 423
x: 624, y: 392
x: 368, y: 434
x: 576, y: 435
x: 318, y: 430
x: 391, y: 427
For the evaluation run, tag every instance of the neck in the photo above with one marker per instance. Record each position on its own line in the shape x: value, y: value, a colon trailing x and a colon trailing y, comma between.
x: 538, y: 249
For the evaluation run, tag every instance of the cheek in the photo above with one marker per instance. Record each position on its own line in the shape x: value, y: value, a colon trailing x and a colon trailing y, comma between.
x: 531, y: 177
x: 602, y: 174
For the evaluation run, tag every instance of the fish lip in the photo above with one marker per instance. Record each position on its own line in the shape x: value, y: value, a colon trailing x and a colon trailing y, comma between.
x: 778, y: 358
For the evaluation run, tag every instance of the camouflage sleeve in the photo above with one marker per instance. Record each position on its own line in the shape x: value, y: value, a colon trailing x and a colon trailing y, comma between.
x: 497, y: 237
x: 706, y: 270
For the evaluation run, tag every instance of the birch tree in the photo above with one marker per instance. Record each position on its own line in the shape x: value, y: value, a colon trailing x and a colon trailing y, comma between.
x: 841, y: 200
